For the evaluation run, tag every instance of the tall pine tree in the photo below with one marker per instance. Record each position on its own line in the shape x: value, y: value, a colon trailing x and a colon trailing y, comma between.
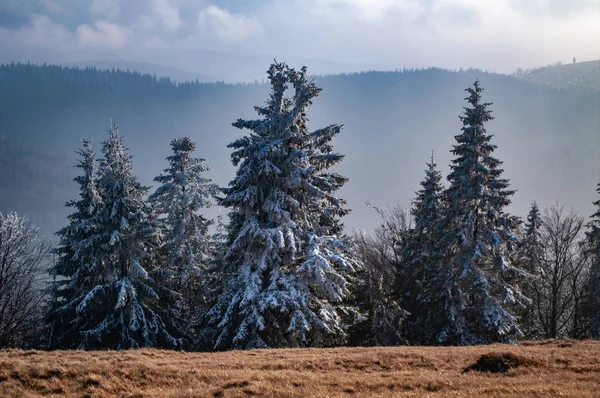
x: 186, y: 250
x: 476, y: 276
x: 529, y: 257
x: 422, y: 255
x: 73, y: 256
x: 286, y: 265
x: 183, y: 193
x: 115, y: 303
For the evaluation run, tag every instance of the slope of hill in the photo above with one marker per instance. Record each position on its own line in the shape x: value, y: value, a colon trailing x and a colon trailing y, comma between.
x: 34, y: 182
x: 551, y: 368
x: 581, y: 75
x: 548, y: 139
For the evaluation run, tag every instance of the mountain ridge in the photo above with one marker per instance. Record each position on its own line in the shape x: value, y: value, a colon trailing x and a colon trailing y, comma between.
x: 564, y: 76
x: 392, y: 121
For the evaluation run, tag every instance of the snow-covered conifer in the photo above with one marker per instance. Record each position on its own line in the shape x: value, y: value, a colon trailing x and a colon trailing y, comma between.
x: 286, y: 265
x: 177, y: 203
x: 115, y: 303
x: 421, y: 255
x: 71, y: 253
x: 529, y: 256
x: 81, y: 220
x: 476, y: 275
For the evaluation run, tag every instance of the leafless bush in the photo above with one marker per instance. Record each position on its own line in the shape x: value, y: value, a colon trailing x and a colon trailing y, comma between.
x: 560, y: 284
x: 381, y: 255
x: 21, y: 259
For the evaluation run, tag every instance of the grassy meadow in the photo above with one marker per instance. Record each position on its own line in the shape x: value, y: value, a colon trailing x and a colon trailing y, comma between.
x: 537, y: 369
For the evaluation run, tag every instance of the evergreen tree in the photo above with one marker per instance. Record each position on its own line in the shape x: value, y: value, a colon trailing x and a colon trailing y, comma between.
x: 211, y: 283
x: 475, y: 279
x: 530, y: 254
x: 72, y: 256
x: 530, y: 244
x: 422, y: 255
x: 593, y: 241
x: 115, y: 302
x: 177, y: 203
x: 426, y: 212
x: 286, y: 266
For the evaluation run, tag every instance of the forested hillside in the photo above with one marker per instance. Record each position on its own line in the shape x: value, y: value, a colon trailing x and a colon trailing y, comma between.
x: 392, y: 121
x: 34, y: 181
x: 583, y: 75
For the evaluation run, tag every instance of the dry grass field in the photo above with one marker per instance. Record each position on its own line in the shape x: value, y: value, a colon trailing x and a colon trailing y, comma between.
x: 547, y: 369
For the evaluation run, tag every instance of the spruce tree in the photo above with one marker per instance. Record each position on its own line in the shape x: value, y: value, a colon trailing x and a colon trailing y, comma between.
x: 426, y: 212
x: 529, y: 257
x: 177, y: 202
x: 115, y: 303
x: 72, y: 256
x: 422, y: 249
x: 593, y: 241
x: 476, y: 275
x: 530, y: 244
x: 81, y: 220
x: 286, y: 265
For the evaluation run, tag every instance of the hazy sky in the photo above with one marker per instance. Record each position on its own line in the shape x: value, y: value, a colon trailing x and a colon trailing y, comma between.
x: 330, y: 35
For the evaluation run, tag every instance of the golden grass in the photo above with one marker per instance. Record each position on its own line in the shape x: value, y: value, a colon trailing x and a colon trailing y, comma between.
x: 552, y: 368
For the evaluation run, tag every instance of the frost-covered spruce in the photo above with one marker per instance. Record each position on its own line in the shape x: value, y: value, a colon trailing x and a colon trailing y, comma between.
x: 286, y: 266
x: 529, y: 257
x: 72, y: 257
x: 593, y: 238
x: 177, y: 203
x: 116, y: 304
x: 81, y: 221
x: 476, y: 274
x: 422, y: 249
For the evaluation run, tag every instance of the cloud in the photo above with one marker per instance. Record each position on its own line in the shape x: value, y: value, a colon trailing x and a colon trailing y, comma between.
x: 557, y: 7
x: 105, y: 8
x: 102, y: 34
x: 41, y: 31
x: 52, y: 7
x: 215, y: 21
x: 167, y: 13
x: 43, y: 35
x: 367, y: 10
x: 498, y: 35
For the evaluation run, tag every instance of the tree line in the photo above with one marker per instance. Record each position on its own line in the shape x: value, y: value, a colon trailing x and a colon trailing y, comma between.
x: 140, y: 268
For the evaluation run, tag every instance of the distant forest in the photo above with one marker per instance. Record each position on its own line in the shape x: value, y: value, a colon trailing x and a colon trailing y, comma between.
x: 150, y: 266
x: 392, y: 122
